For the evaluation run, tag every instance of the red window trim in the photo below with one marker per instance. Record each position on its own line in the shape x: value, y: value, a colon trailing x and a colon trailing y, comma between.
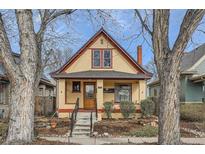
x: 101, y: 59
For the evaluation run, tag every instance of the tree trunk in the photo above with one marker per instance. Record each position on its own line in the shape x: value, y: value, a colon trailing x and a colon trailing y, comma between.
x: 22, y: 112
x: 169, y: 129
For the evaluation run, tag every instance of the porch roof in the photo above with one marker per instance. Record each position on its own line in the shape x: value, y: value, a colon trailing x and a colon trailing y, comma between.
x: 100, y: 75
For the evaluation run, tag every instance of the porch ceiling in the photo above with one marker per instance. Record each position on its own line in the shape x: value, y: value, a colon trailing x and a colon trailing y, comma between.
x: 101, y: 75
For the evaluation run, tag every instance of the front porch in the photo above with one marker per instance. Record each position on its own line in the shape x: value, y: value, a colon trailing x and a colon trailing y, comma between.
x: 93, y: 93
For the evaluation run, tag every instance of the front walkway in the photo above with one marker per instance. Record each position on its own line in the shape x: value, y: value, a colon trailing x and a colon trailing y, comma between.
x: 123, y: 140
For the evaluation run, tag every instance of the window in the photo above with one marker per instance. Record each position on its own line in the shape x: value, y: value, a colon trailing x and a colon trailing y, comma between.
x: 76, y: 86
x: 122, y: 92
x: 40, y: 91
x: 102, y: 59
x: 107, y: 58
x: 96, y: 58
x: 3, y: 93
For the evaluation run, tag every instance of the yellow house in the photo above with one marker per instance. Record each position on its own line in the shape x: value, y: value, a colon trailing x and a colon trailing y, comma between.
x: 101, y: 71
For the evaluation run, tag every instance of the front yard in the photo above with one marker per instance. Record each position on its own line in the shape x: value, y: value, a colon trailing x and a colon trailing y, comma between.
x: 136, y: 128
x: 192, y: 126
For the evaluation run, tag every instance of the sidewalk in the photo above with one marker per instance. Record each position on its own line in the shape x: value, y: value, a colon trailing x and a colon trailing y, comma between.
x: 123, y: 140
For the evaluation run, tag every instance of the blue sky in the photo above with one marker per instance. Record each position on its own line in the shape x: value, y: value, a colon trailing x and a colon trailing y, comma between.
x: 123, y: 26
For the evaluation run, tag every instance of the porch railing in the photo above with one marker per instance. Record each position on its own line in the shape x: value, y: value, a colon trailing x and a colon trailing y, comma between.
x: 91, y: 123
x: 74, y: 116
x: 96, y: 109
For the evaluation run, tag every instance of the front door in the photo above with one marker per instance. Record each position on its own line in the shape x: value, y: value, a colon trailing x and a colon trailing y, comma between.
x: 89, y: 95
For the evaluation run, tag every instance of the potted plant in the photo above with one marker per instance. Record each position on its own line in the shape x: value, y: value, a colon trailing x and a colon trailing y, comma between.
x: 53, y: 123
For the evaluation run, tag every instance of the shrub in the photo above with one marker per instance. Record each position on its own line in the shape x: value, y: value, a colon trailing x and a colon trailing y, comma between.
x: 146, y: 131
x: 108, y: 107
x: 3, y: 132
x: 147, y: 107
x: 193, y: 112
x: 127, y: 108
x: 156, y: 105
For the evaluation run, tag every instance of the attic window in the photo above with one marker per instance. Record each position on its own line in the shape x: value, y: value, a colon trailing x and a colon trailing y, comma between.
x: 102, y: 58
x: 101, y: 41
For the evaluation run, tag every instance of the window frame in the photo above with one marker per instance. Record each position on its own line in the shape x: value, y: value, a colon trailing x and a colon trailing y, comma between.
x: 74, y: 91
x: 101, y: 59
x: 94, y: 60
x: 121, y: 84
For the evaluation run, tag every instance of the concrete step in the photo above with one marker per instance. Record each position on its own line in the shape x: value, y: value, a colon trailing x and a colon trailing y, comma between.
x: 82, y: 130
x: 82, y: 127
x: 84, y: 133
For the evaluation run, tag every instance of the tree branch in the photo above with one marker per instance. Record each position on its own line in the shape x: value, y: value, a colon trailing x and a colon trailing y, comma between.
x: 143, y: 22
x: 6, y: 52
x: 190, y: 22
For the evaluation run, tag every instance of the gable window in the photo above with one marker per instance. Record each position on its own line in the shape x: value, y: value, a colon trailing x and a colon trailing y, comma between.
x: 102, y: 58
x: 123, y: 92
x: 96, y: 58
x: 76, y: 86
x: 107, y: 58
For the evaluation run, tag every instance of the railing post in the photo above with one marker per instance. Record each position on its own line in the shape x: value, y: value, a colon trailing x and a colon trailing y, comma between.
x: 91, y: 122
x: 74, y: 116
x: 96, y: 110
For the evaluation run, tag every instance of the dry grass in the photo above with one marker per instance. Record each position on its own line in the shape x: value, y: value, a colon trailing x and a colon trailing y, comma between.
x: 193, y: 112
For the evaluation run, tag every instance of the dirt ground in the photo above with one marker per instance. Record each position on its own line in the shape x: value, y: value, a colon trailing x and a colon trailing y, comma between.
x: 118, y: 128
x: 199, y: 126
x: 46, y: 142
x: 42, y: 126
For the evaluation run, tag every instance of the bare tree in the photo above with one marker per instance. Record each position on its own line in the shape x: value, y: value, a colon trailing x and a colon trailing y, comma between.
x: 168, y: 61
x: 150, y: 66
x: 25, y: 77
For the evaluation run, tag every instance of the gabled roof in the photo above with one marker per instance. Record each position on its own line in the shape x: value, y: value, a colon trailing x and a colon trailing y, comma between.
x: 112, y: 40
x: 190, y: 58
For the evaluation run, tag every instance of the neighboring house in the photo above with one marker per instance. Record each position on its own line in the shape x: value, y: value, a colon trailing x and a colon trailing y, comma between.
x: 46, y: 89
x: 192, y: 77
x: 101, y: 71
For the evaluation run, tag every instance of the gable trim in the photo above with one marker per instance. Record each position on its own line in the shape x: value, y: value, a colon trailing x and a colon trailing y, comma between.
x: 90, y: 42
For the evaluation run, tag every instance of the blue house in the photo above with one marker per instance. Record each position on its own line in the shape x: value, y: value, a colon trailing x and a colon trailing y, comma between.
x: 192, y: 77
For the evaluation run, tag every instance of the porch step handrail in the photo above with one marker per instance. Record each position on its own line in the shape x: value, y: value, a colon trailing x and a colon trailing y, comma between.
x: 96, y: 109
x: 91, y: 123
x: 74, y: 116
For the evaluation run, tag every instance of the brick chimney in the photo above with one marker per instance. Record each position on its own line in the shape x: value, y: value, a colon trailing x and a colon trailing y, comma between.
x: 139, y: 55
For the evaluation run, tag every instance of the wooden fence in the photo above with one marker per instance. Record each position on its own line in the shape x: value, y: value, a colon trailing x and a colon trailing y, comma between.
x: 45, y: 106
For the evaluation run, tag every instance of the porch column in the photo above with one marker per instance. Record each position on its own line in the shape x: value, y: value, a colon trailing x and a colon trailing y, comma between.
x: 99, y: 98
x: 142, y: 89
x: 61, y: 95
